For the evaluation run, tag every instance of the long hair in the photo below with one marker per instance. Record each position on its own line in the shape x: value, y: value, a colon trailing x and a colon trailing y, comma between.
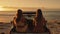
x: 39, y: 15
x: 39, y: 22
x: 19, y: 15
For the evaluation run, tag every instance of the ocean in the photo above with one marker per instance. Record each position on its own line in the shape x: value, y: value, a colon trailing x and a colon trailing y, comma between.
x: 54, y: 27
x: 6, y: 16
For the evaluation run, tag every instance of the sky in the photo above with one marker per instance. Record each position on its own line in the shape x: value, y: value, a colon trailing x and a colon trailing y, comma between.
x: 48, y: 4
x: 54, y: 4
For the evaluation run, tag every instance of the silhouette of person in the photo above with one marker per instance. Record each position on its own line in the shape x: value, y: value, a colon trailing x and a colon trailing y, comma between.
x: 39, y: 22
x: 19, y: 23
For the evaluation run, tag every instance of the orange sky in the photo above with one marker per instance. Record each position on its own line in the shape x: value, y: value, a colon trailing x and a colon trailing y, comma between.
x: 31, y: 3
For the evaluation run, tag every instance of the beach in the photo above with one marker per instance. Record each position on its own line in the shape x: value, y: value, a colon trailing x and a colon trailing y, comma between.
x: 52, y: 17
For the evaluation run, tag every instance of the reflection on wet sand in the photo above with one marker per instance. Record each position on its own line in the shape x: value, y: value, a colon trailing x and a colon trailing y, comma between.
x: 54, y: 27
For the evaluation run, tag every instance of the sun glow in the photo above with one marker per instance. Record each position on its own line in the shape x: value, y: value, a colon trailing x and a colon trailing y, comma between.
x: 1, y: 8
x: 4, y: 8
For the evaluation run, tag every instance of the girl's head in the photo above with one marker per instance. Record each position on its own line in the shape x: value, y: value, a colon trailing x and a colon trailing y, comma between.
x: 39, y: 13
x: 19, y: 13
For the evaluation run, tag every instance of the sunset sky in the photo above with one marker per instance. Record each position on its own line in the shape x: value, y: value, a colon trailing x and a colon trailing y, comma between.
x: 32, y: 4
x: 54, y: 4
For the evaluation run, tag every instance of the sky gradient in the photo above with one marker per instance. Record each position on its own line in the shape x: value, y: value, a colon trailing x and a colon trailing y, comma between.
x: 48, y: 4
x: 54, y: 4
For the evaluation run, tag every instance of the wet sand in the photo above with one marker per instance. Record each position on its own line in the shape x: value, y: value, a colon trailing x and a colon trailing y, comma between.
x: 54, y: 27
